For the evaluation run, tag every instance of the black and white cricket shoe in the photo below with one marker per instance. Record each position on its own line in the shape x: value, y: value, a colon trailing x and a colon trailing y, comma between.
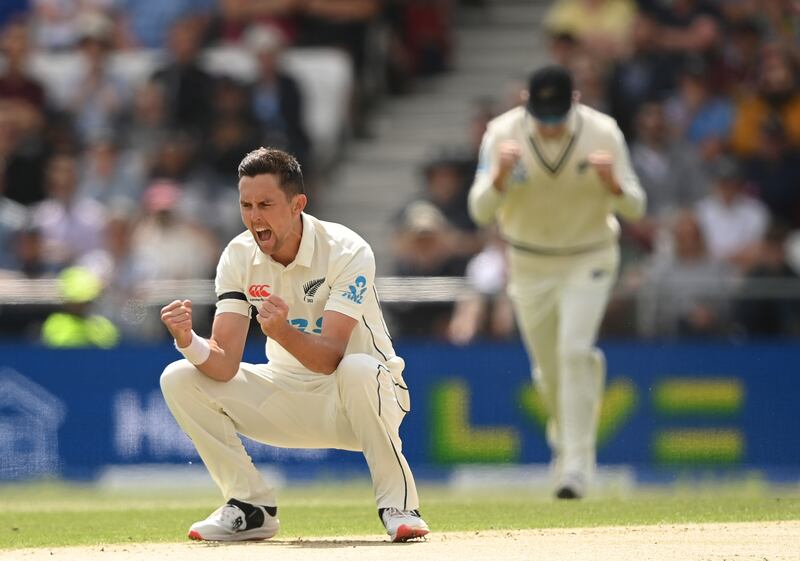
x: 572, y: 486
x: 237, y: 521
x: 403, y: 525
x: 567, y: 492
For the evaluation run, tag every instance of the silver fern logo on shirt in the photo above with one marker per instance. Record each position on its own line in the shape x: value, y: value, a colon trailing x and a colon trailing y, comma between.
x: 310, y: 289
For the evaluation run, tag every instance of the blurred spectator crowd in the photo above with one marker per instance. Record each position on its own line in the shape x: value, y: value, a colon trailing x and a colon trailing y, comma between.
x: 707, y: 93
x: 122, y: 123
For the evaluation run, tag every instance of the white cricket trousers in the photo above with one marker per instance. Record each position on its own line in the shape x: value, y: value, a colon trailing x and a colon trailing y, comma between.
x: 559, y: 303
x: 359, y: 407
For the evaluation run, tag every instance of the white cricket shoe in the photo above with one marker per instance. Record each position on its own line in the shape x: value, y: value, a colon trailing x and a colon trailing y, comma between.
x: 403, y: 525
x: 236, y: 521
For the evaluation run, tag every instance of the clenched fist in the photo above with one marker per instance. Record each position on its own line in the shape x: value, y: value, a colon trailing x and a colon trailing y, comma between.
x: 272, y: 315
x: 603, y: 163
x: 508, y: 156
x: 510, y: 153
x: 177, y: 316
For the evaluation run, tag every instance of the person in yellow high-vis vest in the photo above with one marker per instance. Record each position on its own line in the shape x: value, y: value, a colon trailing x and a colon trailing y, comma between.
x: 74, y: 326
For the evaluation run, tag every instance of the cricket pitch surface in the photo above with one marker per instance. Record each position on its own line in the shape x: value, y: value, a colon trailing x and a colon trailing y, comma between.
x: 748, y: 541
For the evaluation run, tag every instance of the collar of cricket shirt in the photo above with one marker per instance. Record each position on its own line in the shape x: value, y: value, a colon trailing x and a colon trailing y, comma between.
x: 553, y: 165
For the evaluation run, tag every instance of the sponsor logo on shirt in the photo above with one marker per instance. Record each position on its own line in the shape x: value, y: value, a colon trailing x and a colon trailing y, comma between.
x: 258, y: 291
x: 310, y: 289
x: 356, y: 291
x: 519, y: 173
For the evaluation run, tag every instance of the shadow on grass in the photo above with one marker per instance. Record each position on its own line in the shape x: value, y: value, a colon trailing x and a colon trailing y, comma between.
x: 310, y: 543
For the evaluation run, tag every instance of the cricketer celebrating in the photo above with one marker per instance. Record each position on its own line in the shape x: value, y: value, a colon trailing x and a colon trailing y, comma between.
x: 553, y: 174
x: 332, y: 380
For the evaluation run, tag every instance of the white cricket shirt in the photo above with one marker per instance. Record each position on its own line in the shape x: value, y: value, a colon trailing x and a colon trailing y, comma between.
x: 334, y: 270
x: 554, y: 201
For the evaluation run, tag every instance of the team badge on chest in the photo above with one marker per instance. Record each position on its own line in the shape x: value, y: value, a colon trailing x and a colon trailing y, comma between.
x: 310, y: 289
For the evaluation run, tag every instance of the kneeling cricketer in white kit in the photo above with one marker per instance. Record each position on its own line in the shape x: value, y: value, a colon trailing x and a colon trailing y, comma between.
x: 553, y: 174
x: 332, y: 379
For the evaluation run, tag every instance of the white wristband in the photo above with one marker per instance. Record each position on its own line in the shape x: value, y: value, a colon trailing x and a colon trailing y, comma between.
x: 198, y: 350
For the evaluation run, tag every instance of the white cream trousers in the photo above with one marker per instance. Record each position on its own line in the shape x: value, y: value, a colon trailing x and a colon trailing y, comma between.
x: 559, y: 302
x: 359, y: 407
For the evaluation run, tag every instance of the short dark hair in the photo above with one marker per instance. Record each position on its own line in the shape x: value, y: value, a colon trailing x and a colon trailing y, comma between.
x: 275, y: 162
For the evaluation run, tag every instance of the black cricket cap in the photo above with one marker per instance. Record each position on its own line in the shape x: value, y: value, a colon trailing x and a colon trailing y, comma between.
x: 550, y: 93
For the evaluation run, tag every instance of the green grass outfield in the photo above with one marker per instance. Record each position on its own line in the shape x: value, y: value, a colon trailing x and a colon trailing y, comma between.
x: 46, y: 515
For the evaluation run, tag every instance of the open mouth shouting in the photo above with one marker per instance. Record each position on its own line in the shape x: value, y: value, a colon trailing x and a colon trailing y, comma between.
x: 263, y: 234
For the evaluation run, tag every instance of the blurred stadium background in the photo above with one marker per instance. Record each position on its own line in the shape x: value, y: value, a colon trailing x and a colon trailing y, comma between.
x: 121, y: 126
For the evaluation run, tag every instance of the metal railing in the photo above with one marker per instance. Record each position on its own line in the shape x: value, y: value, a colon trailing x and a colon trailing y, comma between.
x: 201, y: 292
x: 390, y: 289
x: 646, y: 311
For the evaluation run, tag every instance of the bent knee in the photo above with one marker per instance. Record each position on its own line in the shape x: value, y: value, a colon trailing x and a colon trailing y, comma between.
x: 177, y: 375
x: 357, y: 368
x: 575, y: 352
x: 578, y: 363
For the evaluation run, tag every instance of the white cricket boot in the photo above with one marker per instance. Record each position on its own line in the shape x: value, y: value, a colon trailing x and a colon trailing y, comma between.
x: 403, y: 525
x: 237, y: 521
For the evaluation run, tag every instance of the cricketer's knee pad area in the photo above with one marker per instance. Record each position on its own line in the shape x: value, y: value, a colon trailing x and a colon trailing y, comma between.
x: 177, y: 376
x: 357, y: 371
x: 581, y: 365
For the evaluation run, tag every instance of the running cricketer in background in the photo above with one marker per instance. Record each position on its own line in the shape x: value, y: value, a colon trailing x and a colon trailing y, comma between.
x: 553, y: 174
x: 332, y: 380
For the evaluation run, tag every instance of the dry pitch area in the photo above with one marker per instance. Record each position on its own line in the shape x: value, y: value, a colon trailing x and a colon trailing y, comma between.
x: 751, y: 541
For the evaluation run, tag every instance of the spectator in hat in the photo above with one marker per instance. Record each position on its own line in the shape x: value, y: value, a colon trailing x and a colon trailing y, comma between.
x: 425, y: 245
x: 425, y: 242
